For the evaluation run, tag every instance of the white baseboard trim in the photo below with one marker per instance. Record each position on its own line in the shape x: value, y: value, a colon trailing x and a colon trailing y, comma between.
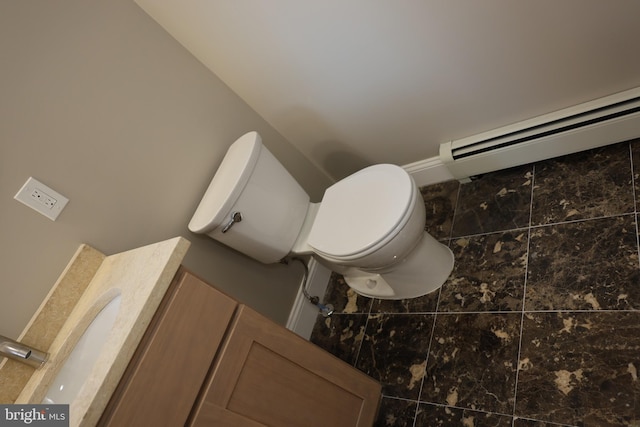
x: 304, y: 314
x: 429, y: 171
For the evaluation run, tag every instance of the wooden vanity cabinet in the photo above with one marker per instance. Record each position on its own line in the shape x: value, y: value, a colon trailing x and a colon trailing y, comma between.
x: 206, y: 360
x: 268, y: 374
x: 165, y: 374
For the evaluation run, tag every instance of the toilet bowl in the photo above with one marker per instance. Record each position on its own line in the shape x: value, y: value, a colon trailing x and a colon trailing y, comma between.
x: 369, y: 226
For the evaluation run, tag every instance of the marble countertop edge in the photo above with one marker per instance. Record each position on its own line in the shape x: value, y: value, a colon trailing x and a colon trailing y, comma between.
x: 141, y: 276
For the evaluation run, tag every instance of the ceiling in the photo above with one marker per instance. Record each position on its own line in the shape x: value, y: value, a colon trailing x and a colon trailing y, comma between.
x: 357, y: 82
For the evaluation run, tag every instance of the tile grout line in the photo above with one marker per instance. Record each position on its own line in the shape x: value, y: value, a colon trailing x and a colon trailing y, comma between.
x: 364, y: 332
x: 462, y: 408
x: 455, y: 210
x: 507, y: 230
x: 435, y: 314
x: 524, y: 297
x: 635, y: 209
x: 426, y: 360
x: 457, y: 313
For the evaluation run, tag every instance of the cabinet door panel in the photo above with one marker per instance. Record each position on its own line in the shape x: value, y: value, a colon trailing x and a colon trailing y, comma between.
x: 171, y: 363
x: 270, y: 375
x: 212, y: 415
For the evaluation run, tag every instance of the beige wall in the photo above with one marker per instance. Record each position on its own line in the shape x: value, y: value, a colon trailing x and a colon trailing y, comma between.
x: 99, y: 103
x: 354, y: 83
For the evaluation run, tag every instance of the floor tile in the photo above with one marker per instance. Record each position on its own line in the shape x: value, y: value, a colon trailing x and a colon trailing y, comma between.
x: 444, y: 416
x: 497, y: 201
x: 394, y: 352
x: 340, y: 334
x: 580, y: 350
x: 343, y: 298
x: 472, y: 361
x: 580, y: 368
x: 586, y: 265
x: 488, y: 274
x: 439, y: 202
x: 396, y: 413
x: 589, y: 184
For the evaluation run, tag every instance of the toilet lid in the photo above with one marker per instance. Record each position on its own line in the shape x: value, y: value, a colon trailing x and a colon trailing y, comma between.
x: 227, y: 184
x: 361, y: 210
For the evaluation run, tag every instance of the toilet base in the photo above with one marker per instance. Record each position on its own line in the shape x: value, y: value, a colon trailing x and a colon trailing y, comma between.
x: 424, y: 270
x: 369, y: 284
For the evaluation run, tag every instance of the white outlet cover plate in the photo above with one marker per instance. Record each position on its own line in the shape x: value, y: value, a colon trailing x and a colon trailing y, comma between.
x: 41, y: 198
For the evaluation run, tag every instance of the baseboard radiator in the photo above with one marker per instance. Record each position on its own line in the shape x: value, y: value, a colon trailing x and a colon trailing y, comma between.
x: 593, y: 124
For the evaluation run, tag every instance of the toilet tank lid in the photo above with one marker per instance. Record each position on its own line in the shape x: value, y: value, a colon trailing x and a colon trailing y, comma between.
x: 227, y: 184
x: 361, y: 210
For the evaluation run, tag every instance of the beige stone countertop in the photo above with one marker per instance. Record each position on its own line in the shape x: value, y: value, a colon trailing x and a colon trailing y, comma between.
x: 140, y: 276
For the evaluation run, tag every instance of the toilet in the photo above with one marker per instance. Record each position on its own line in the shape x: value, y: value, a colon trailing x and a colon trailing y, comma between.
x: 369, y: 226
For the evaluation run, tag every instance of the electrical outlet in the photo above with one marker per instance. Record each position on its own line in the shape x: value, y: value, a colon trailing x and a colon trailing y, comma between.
x: 41, y: 198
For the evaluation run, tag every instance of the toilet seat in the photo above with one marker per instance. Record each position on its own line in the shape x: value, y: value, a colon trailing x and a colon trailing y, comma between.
x: 362, y: 213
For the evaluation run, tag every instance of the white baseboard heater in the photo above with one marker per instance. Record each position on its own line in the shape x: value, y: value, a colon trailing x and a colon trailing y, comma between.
x: 593, y: 124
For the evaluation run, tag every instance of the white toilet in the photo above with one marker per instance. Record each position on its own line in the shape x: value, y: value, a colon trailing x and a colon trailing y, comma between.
x: 369, y: 227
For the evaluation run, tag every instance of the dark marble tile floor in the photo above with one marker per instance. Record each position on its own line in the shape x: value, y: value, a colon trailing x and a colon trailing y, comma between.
x: 539, y: 323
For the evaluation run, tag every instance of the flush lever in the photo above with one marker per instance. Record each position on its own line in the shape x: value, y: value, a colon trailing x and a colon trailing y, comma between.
x: 235, y: 217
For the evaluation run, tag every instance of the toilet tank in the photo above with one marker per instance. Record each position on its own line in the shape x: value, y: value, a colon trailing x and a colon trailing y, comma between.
x: 272, y: 205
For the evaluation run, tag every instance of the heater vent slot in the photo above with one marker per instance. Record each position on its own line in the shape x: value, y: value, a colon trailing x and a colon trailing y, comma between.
x: 601, y: 122
x: 556, y: 127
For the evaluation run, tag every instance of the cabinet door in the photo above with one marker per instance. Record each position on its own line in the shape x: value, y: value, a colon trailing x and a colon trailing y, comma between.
x: 267, y: 375
x: 171, y: 363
